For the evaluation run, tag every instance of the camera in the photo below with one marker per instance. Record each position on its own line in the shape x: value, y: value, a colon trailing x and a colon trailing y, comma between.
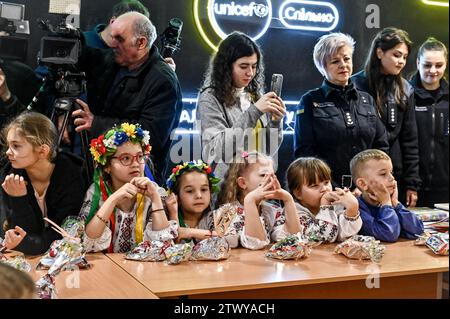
x: 12, y: 47
x: 12, y: 23
x: 170, y: 39
x: 60, y: 51
x: 62, y: 46
x: 7, y: 26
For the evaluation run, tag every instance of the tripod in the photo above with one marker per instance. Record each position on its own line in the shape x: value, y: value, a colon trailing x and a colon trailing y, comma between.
x: 69, y: 87
x: 63, y: 107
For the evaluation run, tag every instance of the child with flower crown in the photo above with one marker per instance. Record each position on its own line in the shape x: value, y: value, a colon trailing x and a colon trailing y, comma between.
x: 122, y: 207
x: 251, y: 185
x: 191, y: 185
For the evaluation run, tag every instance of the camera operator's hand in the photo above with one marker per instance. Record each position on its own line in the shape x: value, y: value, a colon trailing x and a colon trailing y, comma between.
x: 5, y: 94
x: 171, y: 63
x: 84, y: 117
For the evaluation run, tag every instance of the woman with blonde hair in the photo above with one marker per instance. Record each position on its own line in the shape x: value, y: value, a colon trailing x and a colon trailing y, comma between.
x: 336, y: 121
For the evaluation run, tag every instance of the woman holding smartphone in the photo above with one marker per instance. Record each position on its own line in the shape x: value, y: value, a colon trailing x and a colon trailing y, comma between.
x: 235, y: 115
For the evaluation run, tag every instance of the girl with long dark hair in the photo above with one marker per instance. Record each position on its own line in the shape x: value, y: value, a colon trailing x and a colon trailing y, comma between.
x: 235, y: 115
x: 394, y: 98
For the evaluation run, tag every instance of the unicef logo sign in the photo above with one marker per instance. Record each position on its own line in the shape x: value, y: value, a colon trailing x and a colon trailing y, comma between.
x: 233, y: 9
x: 251, y: 17
x: 261, y: 10
x: 215, y: 19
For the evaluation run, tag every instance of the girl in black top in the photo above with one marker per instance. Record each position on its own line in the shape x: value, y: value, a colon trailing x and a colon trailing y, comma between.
x: 37, y: 182
x: 394, y: 99
x: 431, y: 97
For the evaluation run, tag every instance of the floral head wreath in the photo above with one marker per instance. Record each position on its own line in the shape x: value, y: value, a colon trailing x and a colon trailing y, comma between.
x: 178, y: 170
x: 103, y: 148
x: 106, y: 145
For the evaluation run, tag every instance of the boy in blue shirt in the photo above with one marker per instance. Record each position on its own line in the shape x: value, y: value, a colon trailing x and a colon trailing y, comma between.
x: 383, y: 216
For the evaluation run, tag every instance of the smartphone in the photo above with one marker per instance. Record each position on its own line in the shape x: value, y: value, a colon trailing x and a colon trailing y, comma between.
x: 346, y: 181
x: 276, y: 84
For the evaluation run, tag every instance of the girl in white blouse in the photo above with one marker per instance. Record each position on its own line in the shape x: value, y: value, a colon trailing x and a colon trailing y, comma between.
x: 122, y: 207
x: 325, y: 215
x: 252, y: 186
x: 191, y: 186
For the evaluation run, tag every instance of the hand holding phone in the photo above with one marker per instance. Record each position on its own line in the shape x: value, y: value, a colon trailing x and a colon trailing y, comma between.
x: 276, y: 86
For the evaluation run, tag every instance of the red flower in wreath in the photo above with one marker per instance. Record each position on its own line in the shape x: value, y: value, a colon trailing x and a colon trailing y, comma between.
x: 98, y: 145
x: 147, y: 149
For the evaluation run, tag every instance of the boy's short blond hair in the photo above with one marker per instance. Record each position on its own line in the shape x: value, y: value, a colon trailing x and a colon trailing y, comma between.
x: 359, y: 160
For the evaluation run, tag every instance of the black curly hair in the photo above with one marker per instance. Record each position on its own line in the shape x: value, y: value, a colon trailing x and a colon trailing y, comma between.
x: 219, y: 78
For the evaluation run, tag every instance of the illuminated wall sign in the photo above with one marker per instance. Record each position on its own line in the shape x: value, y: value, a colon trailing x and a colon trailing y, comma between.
x: 189, y: 116
x: 257, y: 16
x: 215, y: 19
x: 308, y: 15
x: 441, y: 3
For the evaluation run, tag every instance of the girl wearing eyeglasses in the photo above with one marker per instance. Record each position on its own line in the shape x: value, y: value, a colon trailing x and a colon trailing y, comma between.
x: 123, y: 207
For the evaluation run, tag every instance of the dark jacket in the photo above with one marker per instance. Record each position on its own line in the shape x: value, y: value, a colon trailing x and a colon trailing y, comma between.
x: 23, y: 84
x: 64, y: 198
x: 402, y: 134
x: 433, y: 128
x: 149, y: 95
x: 334, y: 124
x: 388, y: 223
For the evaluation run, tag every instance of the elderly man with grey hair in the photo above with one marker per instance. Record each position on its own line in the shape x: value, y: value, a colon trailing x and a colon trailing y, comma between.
x: 336, y: 121
x: 131, y: 83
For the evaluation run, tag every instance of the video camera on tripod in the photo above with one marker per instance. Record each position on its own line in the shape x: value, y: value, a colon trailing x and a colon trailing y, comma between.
x: 60, y: 51
x: 62, y: 46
